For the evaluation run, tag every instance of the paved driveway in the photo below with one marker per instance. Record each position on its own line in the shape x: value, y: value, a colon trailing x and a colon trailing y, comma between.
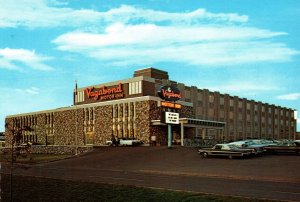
x: 270, y: 177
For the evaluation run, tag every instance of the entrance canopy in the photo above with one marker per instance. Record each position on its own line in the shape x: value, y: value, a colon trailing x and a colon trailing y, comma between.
x: 189, y: 122
x: 202, y: 123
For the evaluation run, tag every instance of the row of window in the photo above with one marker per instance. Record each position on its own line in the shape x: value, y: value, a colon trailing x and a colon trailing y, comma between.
x: 123, y: 110
x: 248, y: 111
x: 211, y: 102
x: 25, y: 121
x: 211, y: 113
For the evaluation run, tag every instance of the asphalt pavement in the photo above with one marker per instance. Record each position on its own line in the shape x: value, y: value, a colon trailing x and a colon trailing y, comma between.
x: 266, y: 177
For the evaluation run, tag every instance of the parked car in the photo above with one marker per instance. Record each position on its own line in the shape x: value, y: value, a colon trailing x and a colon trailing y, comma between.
x: 248, y: 144
x: 124, y: 142
x: 284, y: 147
x: 224, y: 150
x: 264, y: 142
x: 130, y: 142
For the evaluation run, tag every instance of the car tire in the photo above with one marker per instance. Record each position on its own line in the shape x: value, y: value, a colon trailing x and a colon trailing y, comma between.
x: 230, y: 157
x: 205, y: 155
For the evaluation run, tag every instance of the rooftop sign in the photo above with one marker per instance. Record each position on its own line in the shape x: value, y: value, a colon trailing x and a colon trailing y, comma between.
x: 105, y: 93
x: 169, y: 93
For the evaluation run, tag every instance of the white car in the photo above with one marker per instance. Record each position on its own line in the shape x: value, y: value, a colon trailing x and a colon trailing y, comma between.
x: 248, y: 144
x: 125, y: 142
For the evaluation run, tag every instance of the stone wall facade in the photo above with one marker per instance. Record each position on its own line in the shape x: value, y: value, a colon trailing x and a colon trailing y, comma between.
x: 91, y: 124
x: 52, y: 149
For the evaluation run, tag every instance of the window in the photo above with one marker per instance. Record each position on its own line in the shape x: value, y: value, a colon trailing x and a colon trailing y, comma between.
x: 188, y: 94
x: 80, y: 96
x: 135, y: 87
x: 199, y: 110
x: 221, y: 100
x: 221, y: 114
x: 218, y: 147
x: 49, y: 128
x: 240, y: 116
x: 199, y: 96
x: 270, y: 110
x: 211, y: 98
x: 240, y: 104
x: 89, y: 119
x: 231, y: 102
x: 211, y: 113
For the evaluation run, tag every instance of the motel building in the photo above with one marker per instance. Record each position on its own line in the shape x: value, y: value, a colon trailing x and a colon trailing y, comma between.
x: 152, y: 108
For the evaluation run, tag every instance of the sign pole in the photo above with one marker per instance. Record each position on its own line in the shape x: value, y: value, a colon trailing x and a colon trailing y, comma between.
x: 172, y: 94
x: 76, y: 98
x: 169, y: 135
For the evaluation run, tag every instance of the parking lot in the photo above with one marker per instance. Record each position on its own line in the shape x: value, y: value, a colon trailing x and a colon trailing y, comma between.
x: 269, y: 176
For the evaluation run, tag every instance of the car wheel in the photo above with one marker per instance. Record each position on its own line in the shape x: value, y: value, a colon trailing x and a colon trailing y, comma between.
x: 230, y: 157
x: 205, y: 155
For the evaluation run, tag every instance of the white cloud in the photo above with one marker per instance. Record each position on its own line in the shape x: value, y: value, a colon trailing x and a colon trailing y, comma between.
x: 150, y: 34
x: 10, y: 58
x: 197, y: 45
x: 133, y: 35
x: 43, y: 13
x: 127, y: 13
x: 28, y: 91
x: 291, y: 96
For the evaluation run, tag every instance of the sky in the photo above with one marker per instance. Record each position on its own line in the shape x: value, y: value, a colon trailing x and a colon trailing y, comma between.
x: 246, y: 48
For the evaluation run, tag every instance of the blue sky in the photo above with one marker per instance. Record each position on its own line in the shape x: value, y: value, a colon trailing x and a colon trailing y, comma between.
x: 248, y: 48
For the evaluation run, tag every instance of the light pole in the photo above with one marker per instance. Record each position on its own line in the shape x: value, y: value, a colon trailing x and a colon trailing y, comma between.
x: 76, y: 117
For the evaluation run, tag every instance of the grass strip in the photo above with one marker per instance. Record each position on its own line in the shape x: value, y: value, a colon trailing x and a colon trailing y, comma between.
x: 44, y: 189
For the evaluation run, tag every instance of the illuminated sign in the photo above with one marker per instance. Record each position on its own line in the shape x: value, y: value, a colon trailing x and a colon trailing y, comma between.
x: 169, y: 93
x: 171, y: 118
x: 105, y: 93
x: 171, y: 105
